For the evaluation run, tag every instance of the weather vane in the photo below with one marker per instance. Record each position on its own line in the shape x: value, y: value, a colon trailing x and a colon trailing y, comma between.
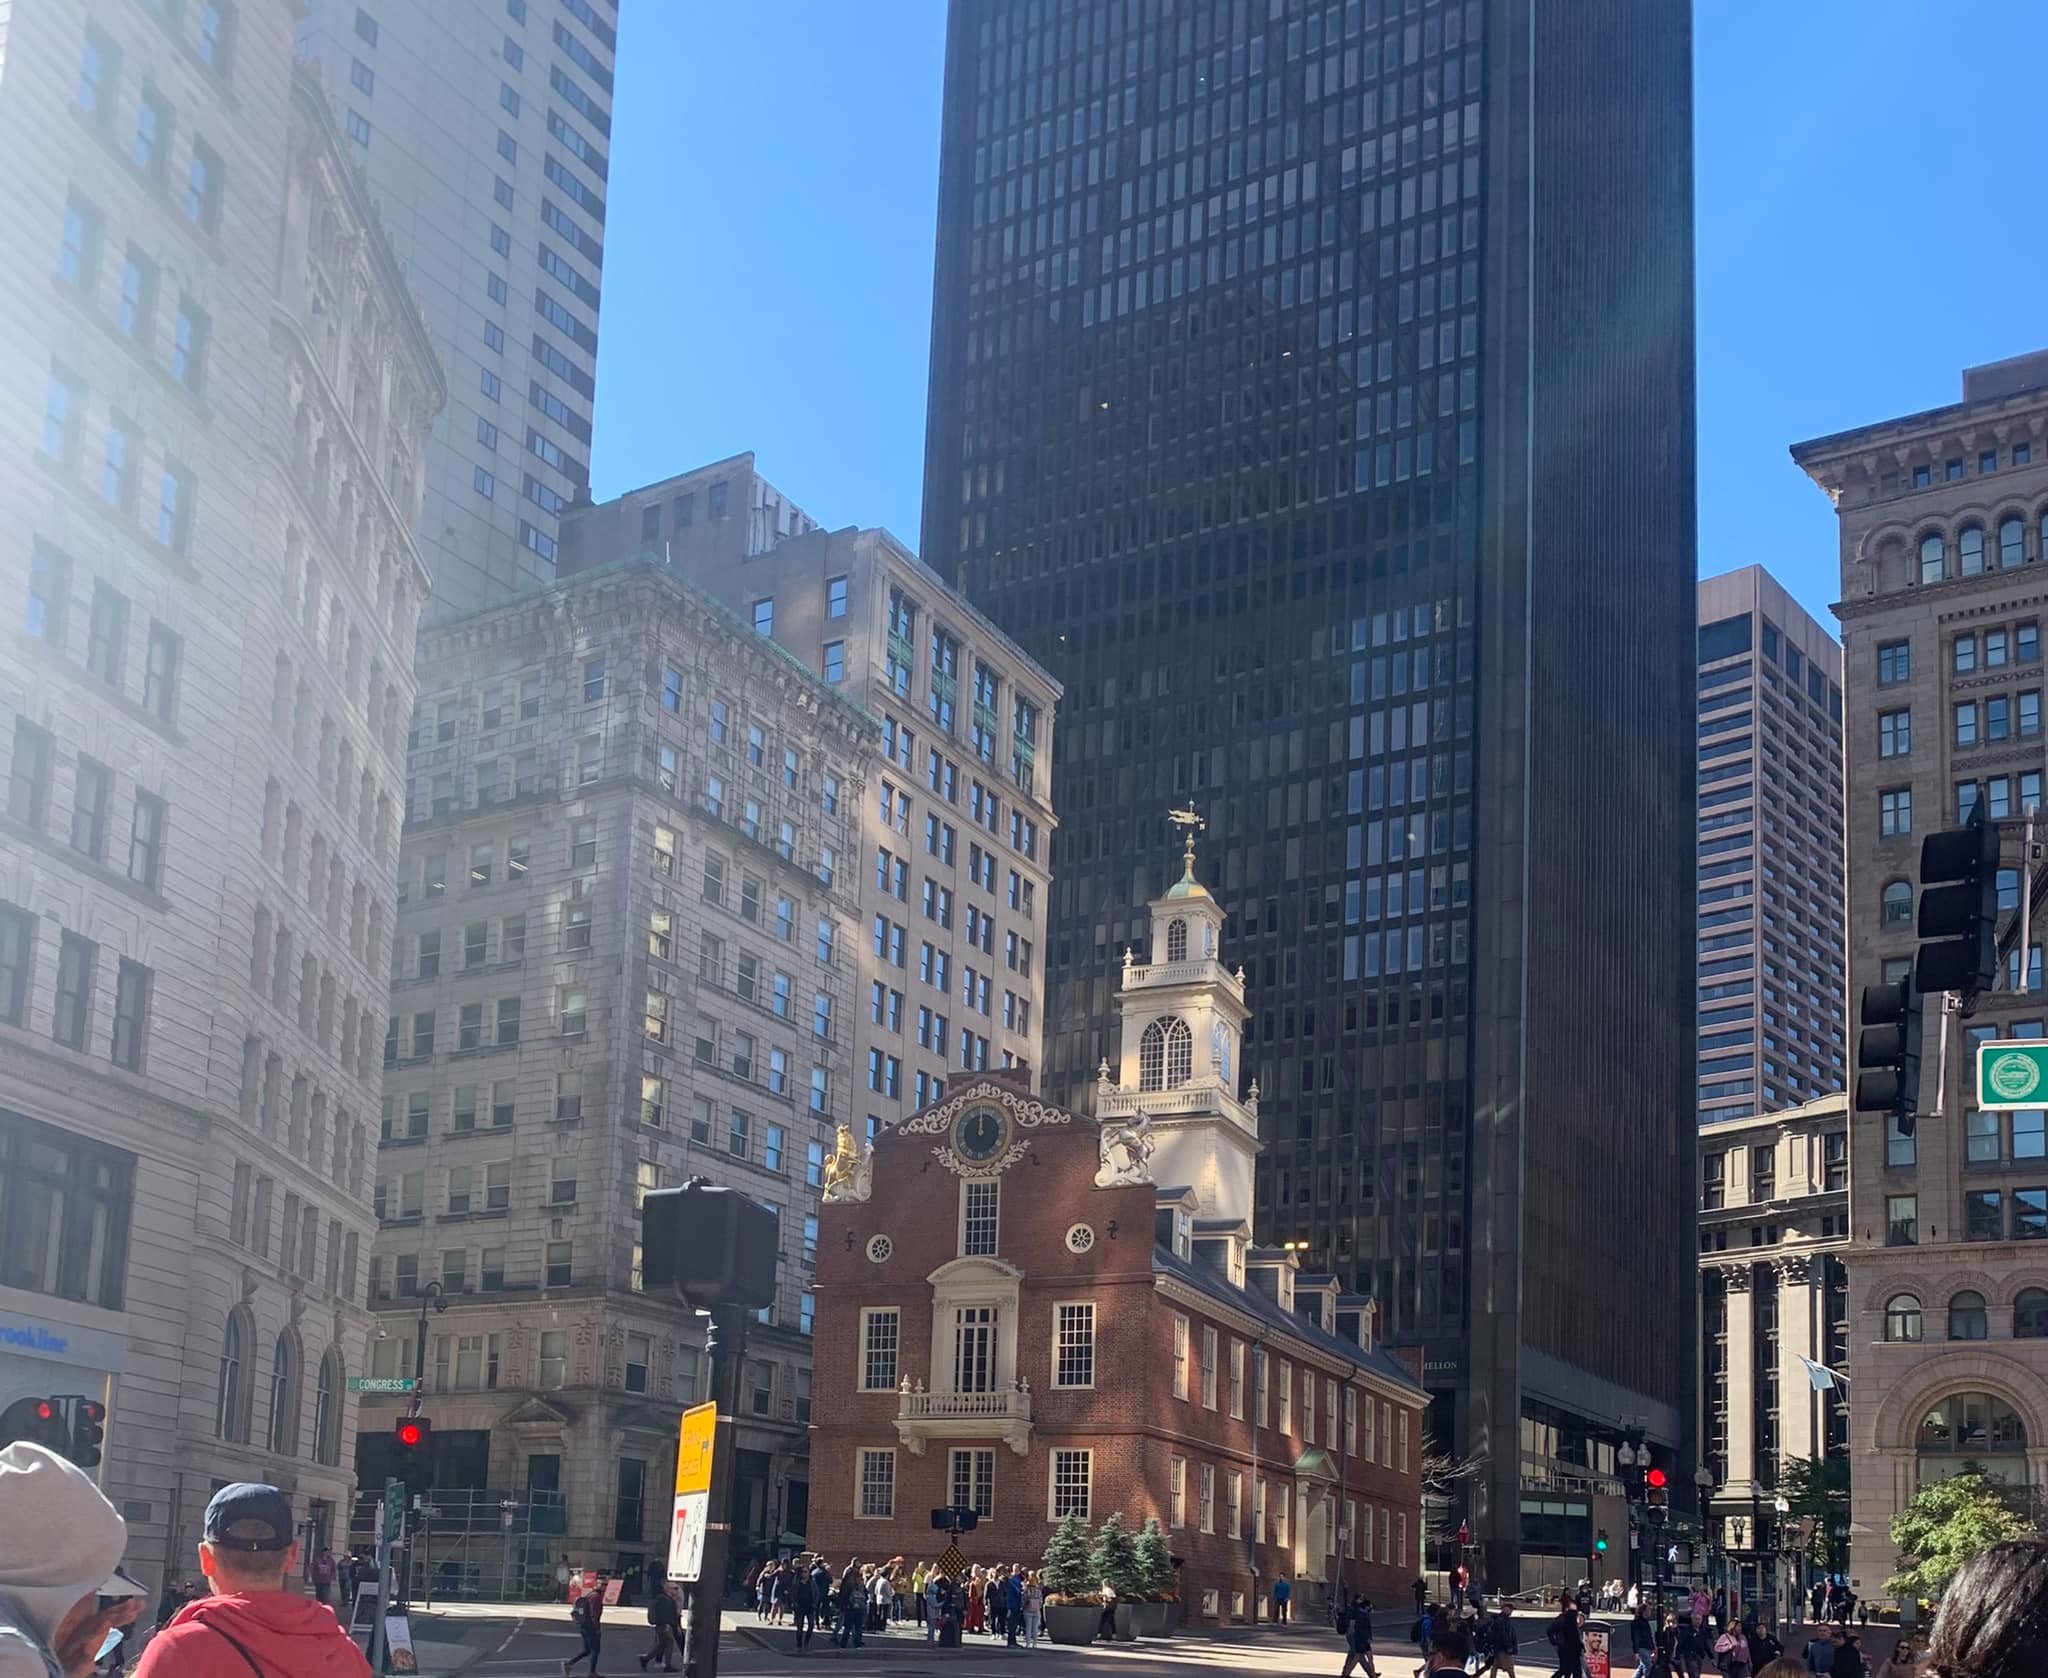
x: 1191, y: 824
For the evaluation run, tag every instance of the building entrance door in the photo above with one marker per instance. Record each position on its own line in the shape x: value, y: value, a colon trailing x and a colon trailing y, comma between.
x: 974, y: 1349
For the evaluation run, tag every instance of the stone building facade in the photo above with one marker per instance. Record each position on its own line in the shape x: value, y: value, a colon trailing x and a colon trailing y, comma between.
x: 1774, y: 1224
x: 955, y: 851
x: 216, y: 391
x: 626, y: 955
x: 1034, y: 1312
x: 1942, y: 524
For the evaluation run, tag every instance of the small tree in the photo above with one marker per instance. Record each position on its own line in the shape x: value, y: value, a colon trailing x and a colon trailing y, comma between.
x: 1067, y: 1569
x: 1155, y: 1562
x: 1115, y: 1560
x: 1817, y: 1489
x: 1947, y: 1523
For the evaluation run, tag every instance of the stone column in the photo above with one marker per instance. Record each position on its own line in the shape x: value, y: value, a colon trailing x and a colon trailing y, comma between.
x: 1800, y: 1308
x: 1741, y: 1382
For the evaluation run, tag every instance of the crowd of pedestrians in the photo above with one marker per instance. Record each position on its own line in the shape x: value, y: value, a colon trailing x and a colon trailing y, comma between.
x: 807, y: 1593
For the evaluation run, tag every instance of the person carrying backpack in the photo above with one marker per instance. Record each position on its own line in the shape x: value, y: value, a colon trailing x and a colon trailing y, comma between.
x: 1356, y: 1624
x: 666, y: 1616
x: 587, y: 1615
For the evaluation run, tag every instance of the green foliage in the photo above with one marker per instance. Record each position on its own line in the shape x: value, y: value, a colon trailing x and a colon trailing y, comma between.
x: 1948, y: 1522
x: 1115, y: 1560
x: 1155, y: 1561
x: 1817, y: 1489
x: 1067, y: 1569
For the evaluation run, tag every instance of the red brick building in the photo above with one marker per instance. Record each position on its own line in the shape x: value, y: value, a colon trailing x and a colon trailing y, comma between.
x: 1026, y: 1311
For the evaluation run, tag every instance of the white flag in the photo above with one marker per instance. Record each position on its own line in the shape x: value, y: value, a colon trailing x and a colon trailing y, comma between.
x: 1823, y: 1378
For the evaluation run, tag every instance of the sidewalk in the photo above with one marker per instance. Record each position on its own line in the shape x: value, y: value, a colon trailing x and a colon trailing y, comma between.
x: 447, y: 1645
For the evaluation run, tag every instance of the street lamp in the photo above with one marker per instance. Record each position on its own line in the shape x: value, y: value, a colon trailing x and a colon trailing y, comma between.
x: 435, y: 1295
x: 1703, y: 1485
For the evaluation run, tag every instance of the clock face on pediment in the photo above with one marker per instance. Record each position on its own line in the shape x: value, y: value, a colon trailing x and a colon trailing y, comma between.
x: 981, y: 1134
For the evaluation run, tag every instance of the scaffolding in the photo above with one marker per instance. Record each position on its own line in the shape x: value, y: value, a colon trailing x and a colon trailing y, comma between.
x: 476, y: 1544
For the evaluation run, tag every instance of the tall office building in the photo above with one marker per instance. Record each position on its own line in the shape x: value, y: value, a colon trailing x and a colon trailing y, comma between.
x: 1941, y: 516
x: 484, y: 128
x: 216, y: 397
x: 626, y: 956
x: 952, y: 867
x: 1312, y: 393
x: 1771, y: 955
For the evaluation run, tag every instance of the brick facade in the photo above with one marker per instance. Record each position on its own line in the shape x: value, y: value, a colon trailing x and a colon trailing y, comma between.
x: 1062, y: 1241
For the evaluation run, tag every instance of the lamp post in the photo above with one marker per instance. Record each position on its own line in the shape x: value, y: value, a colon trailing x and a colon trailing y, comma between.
x: 1629, y: 1458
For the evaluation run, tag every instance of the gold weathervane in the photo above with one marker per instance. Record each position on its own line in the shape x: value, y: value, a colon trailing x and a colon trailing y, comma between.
x: 1191, y: 824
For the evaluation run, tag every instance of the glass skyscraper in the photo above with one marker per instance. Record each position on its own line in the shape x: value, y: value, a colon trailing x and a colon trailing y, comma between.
x: 1312, y: 391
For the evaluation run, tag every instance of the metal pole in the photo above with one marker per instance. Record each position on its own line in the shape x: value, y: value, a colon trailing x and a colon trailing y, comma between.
x: 377, y: 1649
x: 725, y: 1340
x: 2027, y: 905
x: 426, y: 1555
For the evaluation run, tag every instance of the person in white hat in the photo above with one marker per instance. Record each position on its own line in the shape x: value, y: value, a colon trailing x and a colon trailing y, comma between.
x: 62, y: 1592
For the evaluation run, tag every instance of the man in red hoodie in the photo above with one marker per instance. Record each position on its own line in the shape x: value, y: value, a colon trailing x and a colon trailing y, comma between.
x: 255, y: 1624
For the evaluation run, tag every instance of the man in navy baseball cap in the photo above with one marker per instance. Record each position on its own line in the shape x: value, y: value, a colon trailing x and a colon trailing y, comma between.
x: 256, y: 1622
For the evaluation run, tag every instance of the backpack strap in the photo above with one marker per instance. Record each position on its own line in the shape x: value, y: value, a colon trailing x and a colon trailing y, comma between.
x: 238, y: 1646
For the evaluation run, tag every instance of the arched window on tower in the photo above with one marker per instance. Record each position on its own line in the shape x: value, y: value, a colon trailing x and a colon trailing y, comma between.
x: 1166, y: 1054
x: 1219, y: 1051
x: 1176, y: 940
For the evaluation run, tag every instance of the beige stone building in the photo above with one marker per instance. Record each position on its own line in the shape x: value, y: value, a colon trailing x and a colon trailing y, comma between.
x: 214, y: 392
x: 627, y: 954
x: 954, y: 859
x: 1942, y: 606
x: 1774, y: 1221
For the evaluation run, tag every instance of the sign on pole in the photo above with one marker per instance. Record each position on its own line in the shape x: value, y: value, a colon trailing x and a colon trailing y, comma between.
x: 2012, y: 1074
x: 381, y: 1383
x: 693, y: 1492
x: 1596, y: 1652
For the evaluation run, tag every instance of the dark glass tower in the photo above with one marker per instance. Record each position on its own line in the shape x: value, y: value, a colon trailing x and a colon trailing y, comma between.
x: 1312, y: 390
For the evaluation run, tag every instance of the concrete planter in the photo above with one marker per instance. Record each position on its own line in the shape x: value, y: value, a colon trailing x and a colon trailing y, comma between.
x: 1072, y: 1622
x: 1150, y: 1619
x: 1125, y: 1622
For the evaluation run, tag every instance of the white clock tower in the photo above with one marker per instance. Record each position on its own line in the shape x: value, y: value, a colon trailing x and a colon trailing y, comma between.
x: 1183, y: 1019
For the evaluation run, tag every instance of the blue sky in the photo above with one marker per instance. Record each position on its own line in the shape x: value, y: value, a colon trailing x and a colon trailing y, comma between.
x: 1867, y: 220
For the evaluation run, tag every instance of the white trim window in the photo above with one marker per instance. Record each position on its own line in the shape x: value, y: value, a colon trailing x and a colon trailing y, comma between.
x: 881, y: 1340
x: 1177, y: 1501
x: 1207, y: 1504
x: 1308, y: 1406
x: 1237, y: 1380
x: 972, y: 1475
x: 1208, y: 1367
x: 1287, y: 1398
x: 1259, y: 1386
x: 1386, y: 1436
x: 1073, y: 1344
x: 1180, y: 1356
x: 1350, y: 1529
x: 1401, y: 1539
x: 979, y: 1203
x: 1071, y: 1478
x: 1258, y: 1509
x: 1401, y: 1461
x: 875, y: 1486
x: 1233, y: 1504
x: 1329, y: 1412
x: 1351, y: 1421
x: 1371, y: 1436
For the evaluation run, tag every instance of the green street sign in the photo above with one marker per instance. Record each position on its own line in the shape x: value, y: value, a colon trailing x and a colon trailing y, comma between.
x: 381, y: 1383
x: 2012, y: 1075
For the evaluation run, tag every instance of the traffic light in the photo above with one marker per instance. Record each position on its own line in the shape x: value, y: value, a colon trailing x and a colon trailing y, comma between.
x: 38, y: 1421
x: 88, y: 1430
x: 709, y: 1243
x: 1600, y: 1543
x: 1658, y: 1488
x: 1959, y: 909
x: 1888, y: 1051
x: 412, y: 1439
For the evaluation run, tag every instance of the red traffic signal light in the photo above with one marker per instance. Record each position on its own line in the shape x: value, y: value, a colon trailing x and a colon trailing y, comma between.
x: 1656, y: 1477
x: 39, y: 1421
x: 410, y: 1434
x: 88, y: 1431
